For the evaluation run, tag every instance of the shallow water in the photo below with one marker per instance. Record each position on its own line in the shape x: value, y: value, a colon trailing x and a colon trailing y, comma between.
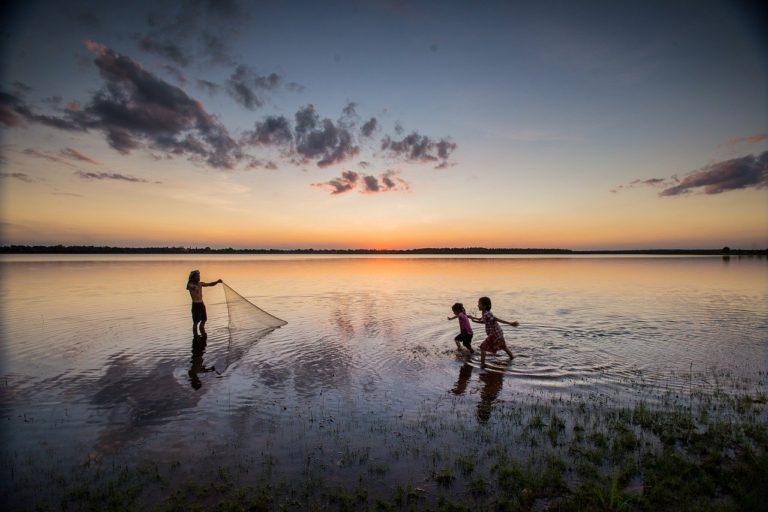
x: 97, y: 351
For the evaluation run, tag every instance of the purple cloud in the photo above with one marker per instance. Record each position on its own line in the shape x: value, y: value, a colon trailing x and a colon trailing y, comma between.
x: 368, y: 184
x: 77, y: 155
x: 109, y: 176
x: 738, y: 173
x: 749, y: 139
x: 52, y: 158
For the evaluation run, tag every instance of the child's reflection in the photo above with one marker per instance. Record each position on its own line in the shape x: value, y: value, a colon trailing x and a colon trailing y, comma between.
x: 489, y: 392
x: 491, y: 388
x: 198, y: 349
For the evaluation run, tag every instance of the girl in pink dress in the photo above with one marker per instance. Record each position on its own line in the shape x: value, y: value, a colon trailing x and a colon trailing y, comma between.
x: 495, y: 336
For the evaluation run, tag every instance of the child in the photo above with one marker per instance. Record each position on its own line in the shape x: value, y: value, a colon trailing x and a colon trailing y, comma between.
x: 199, y: 314
x: 495, y: 340
x: 465, y: 336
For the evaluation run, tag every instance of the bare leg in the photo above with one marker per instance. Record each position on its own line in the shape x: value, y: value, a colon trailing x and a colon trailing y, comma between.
x: 194, y: 329
x: 509, y: 353
x: 202, y: 329
x: 482, y: 358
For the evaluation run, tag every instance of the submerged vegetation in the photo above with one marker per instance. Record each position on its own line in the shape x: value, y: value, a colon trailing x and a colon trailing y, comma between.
x: 686, y: 450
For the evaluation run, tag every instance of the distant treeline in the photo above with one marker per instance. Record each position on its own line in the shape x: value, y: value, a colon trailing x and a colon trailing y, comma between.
x: 90, y: 249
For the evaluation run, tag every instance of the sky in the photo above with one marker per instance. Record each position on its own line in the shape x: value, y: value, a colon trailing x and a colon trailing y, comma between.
x: 384, y: 124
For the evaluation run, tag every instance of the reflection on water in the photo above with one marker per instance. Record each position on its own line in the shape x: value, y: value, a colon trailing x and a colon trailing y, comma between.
x: 103, y: 364
x: 198, y: 351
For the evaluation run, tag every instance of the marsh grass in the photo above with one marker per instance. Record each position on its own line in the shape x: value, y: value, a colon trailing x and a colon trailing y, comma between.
x: 702, y: 449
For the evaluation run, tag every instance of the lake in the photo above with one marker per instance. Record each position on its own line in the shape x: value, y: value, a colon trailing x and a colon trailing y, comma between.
x: 98, y: 361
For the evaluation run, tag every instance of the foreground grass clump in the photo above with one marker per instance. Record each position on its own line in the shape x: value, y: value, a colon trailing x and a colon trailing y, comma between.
x: 698, y: 452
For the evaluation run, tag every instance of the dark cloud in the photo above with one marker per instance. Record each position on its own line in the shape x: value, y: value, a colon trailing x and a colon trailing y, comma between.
x: 17, y: 175
x: 368, y: 184
x: 164, y: 48
x: 323, y: 140
x: 346, y: 182
x: 109, y: 176
x: 70, y: 194
x: 273, y: 131
x: 14, y: 112
x: 77, y: 155
x: 369, y: 127
x: 419, y: 148
x: 245, y: 86
x: 209, y: 87
x: 135, y: 108
x: 9, y: 115
x: 738, y: 173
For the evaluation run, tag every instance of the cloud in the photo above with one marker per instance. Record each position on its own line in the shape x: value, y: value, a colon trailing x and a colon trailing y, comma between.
x: 164, y: 48
x: 322, y: 140
x: 369, y: 127
x: 109, y: 176
x: 738, y: 173
x: 650, y: 182
x: 14, y: 112
x: 39, y: 154
x: 77, y: 155
x: 272, y: 131
x: 389, y: 181
x: 368, y: 184
x: 245, y: 86
x: 17, y: 175
x: 346, y: 182
x: 70, y: 194
x: 419, y: 148
x: 135, y: 107
x: 749, y: 139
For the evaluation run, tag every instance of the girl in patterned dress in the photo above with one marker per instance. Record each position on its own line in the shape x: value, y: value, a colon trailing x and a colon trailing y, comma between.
x: 495, y: 336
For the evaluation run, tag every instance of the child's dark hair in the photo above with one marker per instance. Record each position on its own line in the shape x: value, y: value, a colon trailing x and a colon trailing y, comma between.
x: 485, y: 302
x: 458, y: 308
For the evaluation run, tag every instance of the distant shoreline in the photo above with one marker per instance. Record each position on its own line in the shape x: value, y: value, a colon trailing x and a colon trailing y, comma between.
x: 82, y: 249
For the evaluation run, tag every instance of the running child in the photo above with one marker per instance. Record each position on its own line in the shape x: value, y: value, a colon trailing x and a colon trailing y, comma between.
x: 495, y: 336
x: 199, y: 315
x: 465, y: 336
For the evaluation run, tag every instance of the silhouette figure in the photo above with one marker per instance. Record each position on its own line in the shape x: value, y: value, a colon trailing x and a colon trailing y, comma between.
x: 461, y: 385
x: 198, y: 350
x: 492, y: 382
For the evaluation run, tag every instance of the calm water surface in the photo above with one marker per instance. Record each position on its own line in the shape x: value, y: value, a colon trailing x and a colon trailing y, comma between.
x: 97, y: 351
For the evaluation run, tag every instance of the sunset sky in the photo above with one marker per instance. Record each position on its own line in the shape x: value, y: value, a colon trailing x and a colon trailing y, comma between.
x: 384, y: 124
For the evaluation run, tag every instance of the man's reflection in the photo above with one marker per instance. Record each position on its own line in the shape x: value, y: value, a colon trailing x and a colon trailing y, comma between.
x: 198, y: 349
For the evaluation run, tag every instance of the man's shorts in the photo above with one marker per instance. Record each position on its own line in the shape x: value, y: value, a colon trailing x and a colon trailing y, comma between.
x: 198, y: 312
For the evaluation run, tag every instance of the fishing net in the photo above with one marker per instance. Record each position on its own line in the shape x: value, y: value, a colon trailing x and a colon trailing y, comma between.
x: 247, y: 316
